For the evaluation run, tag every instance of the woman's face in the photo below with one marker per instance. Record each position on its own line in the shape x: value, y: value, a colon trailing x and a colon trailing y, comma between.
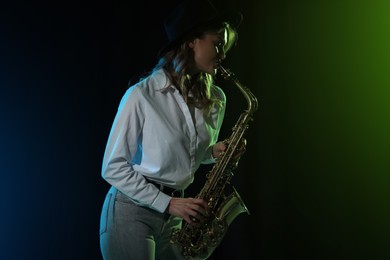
x: 208, y: 51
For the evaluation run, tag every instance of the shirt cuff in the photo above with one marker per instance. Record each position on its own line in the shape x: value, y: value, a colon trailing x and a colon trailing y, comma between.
x: 161, y: 202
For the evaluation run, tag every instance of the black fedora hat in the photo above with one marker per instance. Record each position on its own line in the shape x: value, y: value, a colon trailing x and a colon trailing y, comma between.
x: 190, y: 14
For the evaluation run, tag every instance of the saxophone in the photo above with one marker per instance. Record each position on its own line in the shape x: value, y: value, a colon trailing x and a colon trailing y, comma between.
x: 201, y: 240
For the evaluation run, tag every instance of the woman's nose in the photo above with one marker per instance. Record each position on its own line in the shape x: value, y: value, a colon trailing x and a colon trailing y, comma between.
x: 220, y: 52
x: 222, y: 55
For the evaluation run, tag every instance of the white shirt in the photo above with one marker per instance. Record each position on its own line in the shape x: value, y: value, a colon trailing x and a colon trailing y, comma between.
x: 156, y: 135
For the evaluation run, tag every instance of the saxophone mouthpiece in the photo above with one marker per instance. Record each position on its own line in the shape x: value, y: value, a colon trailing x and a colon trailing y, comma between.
x: 224, y: 72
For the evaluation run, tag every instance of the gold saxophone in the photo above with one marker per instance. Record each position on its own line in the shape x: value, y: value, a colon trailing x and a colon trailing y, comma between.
x: 201, y: 240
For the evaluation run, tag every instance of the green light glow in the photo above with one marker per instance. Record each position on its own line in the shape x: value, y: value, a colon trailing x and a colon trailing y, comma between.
x: 325, y: 86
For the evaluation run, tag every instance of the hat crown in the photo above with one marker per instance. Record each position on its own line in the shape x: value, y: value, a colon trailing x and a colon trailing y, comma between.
x: 188, y: 15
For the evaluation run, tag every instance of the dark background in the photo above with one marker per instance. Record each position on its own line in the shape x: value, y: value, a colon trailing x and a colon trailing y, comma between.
x: 315, y: 176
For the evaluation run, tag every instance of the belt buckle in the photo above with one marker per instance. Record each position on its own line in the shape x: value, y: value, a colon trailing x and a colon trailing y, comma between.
x: 174, y: 193
x: 177, y: 193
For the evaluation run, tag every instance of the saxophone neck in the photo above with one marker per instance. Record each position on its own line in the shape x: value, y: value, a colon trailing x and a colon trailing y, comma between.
x: 251, y: 99
x: 226, y: 74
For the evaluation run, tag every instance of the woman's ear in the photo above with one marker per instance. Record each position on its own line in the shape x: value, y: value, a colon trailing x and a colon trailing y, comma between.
x: 191, y: 44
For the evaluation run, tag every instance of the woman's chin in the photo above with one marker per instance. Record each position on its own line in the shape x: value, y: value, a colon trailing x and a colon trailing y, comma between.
x: 212, y: 71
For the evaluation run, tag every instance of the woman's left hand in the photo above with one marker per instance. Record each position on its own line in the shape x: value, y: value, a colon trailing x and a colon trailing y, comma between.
x: 218, y: 149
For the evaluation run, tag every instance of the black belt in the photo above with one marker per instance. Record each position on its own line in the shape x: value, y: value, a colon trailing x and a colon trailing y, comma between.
x: 167, y: 190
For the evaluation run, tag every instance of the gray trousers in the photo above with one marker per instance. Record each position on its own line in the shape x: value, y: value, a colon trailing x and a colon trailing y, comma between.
x: 132, y: 232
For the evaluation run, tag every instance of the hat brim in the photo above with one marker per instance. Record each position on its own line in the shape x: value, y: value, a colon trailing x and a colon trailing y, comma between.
x: 233, y: 17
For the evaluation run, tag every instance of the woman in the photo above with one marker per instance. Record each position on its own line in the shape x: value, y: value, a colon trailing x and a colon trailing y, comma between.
x: 166, y: 126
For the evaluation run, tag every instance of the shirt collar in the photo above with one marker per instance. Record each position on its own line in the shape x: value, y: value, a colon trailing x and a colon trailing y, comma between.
x: 160, y: 75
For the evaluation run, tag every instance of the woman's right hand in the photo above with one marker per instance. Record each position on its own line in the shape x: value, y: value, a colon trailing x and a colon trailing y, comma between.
x: 190, y: 209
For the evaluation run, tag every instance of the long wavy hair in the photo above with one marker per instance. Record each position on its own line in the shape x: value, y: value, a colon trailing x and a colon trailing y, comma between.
x: 178, y: 61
